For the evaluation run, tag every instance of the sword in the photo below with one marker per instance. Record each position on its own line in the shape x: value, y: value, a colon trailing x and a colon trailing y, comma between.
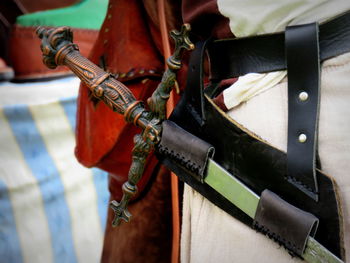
x: 58, y: 49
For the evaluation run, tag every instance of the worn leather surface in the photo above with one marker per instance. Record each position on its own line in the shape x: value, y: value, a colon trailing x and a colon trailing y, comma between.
x: 257, y: 164
x: 232, y: 57
x: 303, y: 69
x: 283, y: 222
x: 185, y: 148
x: 26, y: 56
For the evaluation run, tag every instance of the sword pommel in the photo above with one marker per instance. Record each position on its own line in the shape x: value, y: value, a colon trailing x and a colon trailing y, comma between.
x: 56, y: 43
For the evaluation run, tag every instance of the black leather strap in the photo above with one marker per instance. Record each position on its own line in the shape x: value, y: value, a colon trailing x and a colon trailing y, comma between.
x: 283, y: 222
x: 265, y: 53
x: 195, y: 81
x: 303, y: 67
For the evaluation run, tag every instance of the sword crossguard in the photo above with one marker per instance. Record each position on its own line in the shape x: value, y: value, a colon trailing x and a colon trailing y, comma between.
x: 182, y: 42
x: 121, y: 213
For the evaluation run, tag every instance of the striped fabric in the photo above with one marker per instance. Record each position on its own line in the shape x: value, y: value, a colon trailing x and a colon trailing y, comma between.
x: 51, y: 208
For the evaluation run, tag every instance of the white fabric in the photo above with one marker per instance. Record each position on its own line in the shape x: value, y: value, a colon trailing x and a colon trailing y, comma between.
x: 250, y: 85
x: 52, y: 209
x: 211, y: 235
x: 254, y: 17
x: 251, y: 17
x: 38, y: 92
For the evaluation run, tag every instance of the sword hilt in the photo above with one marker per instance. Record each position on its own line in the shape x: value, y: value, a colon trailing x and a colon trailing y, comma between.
x: 58, y: 49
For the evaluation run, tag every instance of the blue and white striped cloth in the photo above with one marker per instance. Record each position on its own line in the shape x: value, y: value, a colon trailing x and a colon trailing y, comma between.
x: 51, y: 208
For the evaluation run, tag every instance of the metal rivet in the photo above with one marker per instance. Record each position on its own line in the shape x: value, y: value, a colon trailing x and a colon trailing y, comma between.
x: 142, y: 71
x: 105, y: 41
x: 151, y: 71
x: 122, y: 75
x: 106, y: 30
x: 302, y: 138
x: 109, y: 16
x: 303, y: 96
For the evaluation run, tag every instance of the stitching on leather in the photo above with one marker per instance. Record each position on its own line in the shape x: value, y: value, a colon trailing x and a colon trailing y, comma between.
x: 193, y: 167
x: 301, y: 184
x: 291, y: 247
x: 136, y: 73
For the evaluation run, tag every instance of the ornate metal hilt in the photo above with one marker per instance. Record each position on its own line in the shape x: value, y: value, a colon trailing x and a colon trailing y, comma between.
x: 58, y: 49
x: 157, y: 102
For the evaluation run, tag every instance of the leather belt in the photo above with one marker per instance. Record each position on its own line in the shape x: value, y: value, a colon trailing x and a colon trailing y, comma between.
x: 265, y: 53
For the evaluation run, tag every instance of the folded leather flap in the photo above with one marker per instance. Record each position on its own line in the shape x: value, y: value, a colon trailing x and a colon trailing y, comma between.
x: 285, y: 223
x: 185, y: 148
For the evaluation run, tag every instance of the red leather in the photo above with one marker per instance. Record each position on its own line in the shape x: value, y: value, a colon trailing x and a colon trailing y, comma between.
x: 126, y: 44
x: 26, y: 57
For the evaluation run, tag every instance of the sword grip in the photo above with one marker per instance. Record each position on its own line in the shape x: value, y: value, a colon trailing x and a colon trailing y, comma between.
x: 58, y: 49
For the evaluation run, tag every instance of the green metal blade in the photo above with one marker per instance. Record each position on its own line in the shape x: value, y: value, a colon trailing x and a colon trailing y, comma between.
x: 316, y: 253
x: 246, y: 200
x: 232, y: 189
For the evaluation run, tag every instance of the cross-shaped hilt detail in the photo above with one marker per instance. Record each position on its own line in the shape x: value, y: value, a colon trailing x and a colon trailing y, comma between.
x: 182, y: 42
x: 121, y: 211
